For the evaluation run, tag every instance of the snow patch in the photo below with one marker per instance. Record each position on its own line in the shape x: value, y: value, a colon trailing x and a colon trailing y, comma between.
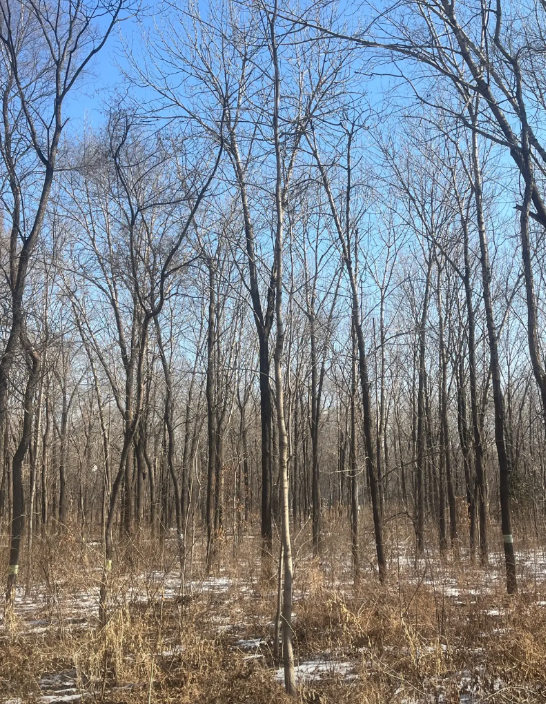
x: 494, y: 612
x: 250, y: 643
x: 174, y: 651
x: 313, y: 670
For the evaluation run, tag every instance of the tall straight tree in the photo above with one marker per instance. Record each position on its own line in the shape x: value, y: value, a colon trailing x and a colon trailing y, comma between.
x: 45, y: 49
x: 347, y: 237
x: 281, y: 195
x: 126, y: 207
x: 219, y: 51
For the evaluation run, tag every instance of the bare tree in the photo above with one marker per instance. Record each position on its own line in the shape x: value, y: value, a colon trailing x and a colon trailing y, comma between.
x: 61, y: 40
x: 346, y: 238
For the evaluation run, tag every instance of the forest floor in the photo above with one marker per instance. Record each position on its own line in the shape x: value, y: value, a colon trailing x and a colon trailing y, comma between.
x: 440, y: 630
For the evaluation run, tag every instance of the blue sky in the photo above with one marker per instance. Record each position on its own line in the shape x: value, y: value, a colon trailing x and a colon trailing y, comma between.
x: 86, y: 103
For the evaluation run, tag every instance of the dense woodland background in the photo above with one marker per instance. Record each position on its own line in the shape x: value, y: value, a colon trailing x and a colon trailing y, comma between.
x: 294, y: 273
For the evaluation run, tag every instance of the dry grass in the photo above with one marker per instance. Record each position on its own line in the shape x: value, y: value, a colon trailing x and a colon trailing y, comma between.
x: 438, y: 631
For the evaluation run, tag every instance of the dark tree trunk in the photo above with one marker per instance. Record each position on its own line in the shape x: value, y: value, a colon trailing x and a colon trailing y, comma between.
x: 18, y: 510
x: 465, y: 440
x: 354, y: 467
x: 315, y: 417
x: 421, y: 419
x: 344, y: 237
x: 498, y: 400
x: 212, y: 416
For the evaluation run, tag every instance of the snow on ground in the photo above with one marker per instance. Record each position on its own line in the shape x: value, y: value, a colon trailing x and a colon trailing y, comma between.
x: 42, y: 610
x: 60, y: 687
x: 39, y: 611
x: 173, y: 652
x: 250, y: 643
x: 320, y: 669
x: 45, y: 608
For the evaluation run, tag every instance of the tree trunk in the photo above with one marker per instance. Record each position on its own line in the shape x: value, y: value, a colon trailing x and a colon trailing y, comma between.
x: 212, y: 416
x: 354, y: 466
x: 344, y: 237
x: 498, y: 400
x: 288, y: 654
x: 421, y: 419
x: 315, y: 417
x: 18, y: 511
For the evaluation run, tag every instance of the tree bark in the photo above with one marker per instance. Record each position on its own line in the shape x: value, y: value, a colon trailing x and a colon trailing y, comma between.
x: 18, y: 510
x: 421, y: 419
x: 498, y: 400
